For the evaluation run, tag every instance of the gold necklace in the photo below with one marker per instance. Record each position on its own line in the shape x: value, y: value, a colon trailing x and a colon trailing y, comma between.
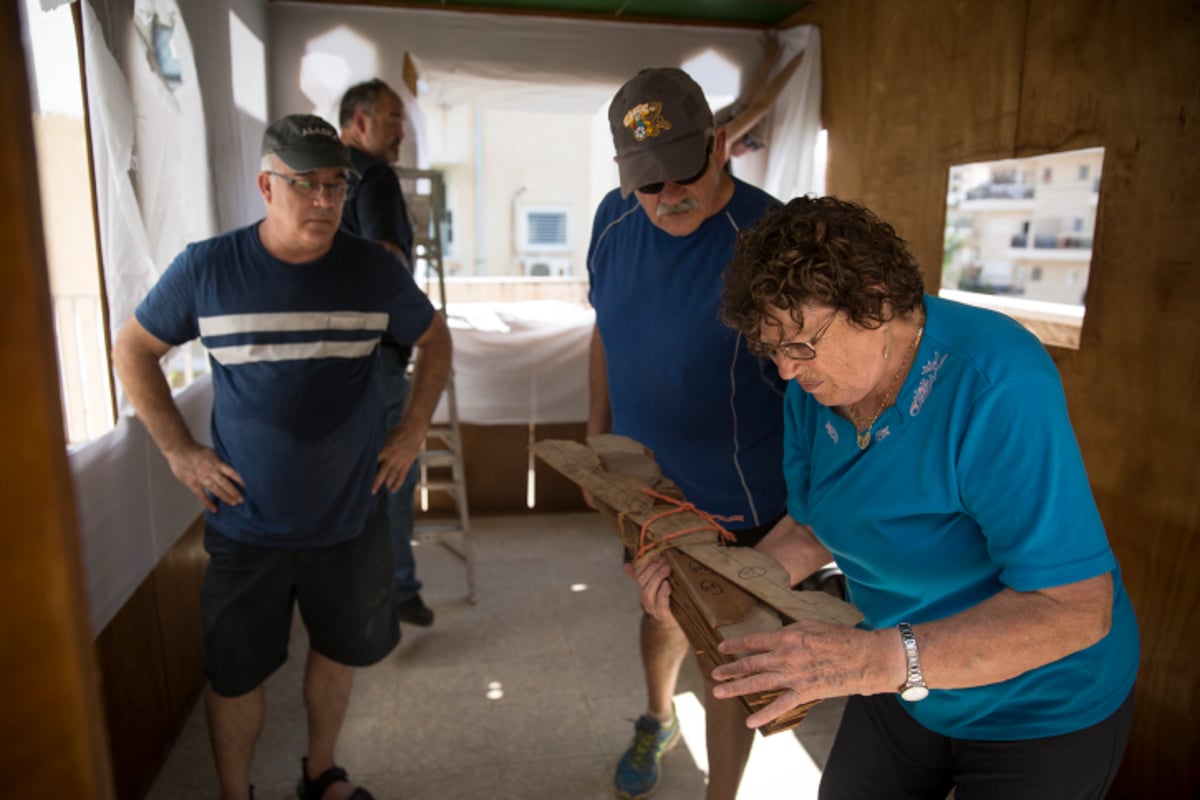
x: 864, y: 434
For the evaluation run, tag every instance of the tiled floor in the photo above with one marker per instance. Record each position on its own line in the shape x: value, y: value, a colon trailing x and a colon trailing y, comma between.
x: 527, y: 695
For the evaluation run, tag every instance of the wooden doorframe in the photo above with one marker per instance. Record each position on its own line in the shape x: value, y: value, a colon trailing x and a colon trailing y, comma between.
x: 52, y: 726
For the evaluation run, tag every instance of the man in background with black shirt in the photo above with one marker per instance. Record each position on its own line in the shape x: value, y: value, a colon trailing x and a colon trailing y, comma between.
x: 372, y: 124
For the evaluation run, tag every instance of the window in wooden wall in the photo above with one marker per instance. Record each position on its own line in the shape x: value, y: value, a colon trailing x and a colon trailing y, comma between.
x: 1024, y: 247
x: 65, y: 186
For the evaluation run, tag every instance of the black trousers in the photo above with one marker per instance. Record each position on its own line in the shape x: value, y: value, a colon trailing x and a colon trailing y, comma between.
x: 882, y: 752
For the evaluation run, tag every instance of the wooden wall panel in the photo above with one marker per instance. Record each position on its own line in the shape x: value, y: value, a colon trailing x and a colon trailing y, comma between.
x: 555, y: 492
x: 130, y: 651
x: 52, y: 741
x: 944, y: 85
x: 845, y: 94
x: 152, y: 660
x: 912, y: 86
x: 1124, y: 75
x: 177, y: 581
x: 496, y: 462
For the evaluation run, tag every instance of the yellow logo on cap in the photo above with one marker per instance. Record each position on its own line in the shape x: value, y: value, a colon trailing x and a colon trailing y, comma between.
x: 645, y: 119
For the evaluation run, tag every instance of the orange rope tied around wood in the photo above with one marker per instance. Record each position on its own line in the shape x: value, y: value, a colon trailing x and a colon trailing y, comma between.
x: 646, y: 544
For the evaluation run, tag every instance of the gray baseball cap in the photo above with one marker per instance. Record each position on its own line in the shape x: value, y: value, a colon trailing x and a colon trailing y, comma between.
x: 305, y: 143
x: 660, y: 121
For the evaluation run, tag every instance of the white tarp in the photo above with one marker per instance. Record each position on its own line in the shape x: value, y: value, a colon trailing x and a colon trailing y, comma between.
x: 521, y: 62
x: 131, y: 508
x: 520, y: 363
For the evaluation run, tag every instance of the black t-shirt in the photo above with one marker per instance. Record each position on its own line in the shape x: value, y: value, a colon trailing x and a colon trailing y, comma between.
x: 376, y: 210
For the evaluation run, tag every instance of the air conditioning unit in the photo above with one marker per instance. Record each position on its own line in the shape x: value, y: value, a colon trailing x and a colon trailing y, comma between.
x: 546, y: 266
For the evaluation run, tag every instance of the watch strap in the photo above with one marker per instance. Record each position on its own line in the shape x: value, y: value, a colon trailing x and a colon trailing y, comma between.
x: 914, y: 687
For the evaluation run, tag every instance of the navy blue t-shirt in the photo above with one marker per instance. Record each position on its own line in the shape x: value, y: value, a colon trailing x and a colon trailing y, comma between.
x: 679, y: 380
x: 298, y: 409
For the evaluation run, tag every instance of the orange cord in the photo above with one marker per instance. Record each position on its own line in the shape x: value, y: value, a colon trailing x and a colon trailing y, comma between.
x: 645, y: 544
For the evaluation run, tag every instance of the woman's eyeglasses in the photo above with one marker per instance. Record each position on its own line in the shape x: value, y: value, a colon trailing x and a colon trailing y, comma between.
x: 655, y: 188
x: 796, y: 351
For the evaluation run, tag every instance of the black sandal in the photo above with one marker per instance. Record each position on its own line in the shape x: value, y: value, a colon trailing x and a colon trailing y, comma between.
x: 315, y: 789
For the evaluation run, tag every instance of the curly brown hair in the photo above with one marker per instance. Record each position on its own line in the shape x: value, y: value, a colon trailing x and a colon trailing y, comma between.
x: 819, y: 250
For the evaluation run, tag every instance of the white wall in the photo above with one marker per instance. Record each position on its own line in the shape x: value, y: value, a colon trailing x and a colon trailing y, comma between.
x: 486, y: 59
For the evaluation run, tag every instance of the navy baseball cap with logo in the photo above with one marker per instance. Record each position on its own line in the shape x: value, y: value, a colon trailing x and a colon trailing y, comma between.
x: 305, y: 143
x: 660, y: 122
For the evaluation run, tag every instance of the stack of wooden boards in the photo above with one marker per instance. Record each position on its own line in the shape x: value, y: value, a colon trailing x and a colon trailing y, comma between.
x: 717, y: 592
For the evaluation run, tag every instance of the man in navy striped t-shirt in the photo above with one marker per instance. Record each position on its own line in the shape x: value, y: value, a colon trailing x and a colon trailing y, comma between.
x: 291, y: 311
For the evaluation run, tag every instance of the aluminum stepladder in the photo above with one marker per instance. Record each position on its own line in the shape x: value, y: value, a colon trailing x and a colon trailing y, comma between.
x: 441, y: 462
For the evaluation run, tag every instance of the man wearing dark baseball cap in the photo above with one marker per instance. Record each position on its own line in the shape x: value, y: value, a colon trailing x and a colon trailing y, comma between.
x: 668, y: 374
x: 291, y: 310
x: 306, y: 143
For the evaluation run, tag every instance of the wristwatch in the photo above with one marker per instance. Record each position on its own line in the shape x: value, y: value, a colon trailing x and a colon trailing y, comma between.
x: 914, y: 687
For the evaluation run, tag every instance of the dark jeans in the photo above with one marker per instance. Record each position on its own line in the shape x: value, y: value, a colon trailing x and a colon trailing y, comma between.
x: 393, y: 373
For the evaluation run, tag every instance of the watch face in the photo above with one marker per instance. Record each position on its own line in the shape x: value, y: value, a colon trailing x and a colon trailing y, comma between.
x: 914, y: 693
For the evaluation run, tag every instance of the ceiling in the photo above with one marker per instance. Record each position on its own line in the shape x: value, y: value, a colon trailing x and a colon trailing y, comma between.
x: 759, y: 13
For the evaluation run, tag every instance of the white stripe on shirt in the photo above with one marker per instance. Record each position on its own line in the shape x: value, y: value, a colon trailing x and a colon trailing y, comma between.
x: 294, y: 351
x: 294, y: 321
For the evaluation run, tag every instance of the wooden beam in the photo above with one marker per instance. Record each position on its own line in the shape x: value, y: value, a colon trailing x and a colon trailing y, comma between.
x: 52, y: 725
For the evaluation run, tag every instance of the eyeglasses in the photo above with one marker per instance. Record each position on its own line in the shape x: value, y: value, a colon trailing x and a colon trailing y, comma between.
x: 655, y: 188
x: 306, y: 188
x: 796, y: 351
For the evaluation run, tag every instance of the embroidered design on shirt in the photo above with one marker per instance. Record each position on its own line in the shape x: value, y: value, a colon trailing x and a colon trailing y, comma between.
x: 832, y: 431
x: 882, y: 433
x: 925, y: 387
x: 645, y: 119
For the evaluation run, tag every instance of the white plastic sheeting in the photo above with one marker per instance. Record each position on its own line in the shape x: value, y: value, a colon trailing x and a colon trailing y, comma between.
x: 520, y: 363
x: 129, y: 269
x: 795, y: 121
x: 172, y: 176
x: 540, y: 64
x: 131, y: 508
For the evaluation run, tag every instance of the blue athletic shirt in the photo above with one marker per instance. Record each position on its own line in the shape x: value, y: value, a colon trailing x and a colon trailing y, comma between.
x: 680, y: 381
x: 973, y: 482
x: 298, y: 409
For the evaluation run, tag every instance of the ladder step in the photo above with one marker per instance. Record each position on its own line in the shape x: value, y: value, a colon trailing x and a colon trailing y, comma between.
x: 439, y: 458
x: 449, y: 487
x: 429, y: 529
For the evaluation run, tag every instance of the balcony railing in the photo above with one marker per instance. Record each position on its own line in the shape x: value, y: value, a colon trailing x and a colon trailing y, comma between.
x: 1020, y: 241
x: 1001, y: 191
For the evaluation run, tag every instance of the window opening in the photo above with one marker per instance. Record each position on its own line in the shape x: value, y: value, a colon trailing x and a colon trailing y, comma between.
x: 1021, y: 247
x: 68, y: 220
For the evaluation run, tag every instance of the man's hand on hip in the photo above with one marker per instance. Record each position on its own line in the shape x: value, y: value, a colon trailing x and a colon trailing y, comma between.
x: 207, y: 476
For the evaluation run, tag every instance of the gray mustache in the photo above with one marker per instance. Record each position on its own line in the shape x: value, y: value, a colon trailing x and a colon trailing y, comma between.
x: 663, y: 209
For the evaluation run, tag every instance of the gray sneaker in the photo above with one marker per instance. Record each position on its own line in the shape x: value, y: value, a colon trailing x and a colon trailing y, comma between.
x: 637, y: 771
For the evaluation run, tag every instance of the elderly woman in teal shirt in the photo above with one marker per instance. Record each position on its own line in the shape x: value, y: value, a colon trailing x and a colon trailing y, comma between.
x: 928, y: 451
